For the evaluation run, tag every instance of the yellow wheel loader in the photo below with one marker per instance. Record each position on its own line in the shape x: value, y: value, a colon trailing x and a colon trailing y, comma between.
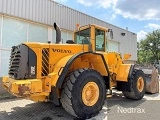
x: 75, y: 75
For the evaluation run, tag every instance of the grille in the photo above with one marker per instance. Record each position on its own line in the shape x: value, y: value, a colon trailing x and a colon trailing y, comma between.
x: 14, y: 61
x: 45, y: 62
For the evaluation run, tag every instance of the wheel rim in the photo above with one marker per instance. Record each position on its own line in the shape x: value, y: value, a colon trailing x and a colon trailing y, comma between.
x: 140, y: 84
x: 90, y: 93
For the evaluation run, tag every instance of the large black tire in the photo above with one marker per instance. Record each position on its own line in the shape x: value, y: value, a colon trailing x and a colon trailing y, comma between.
x: 71, y: 97
x: 135, y: 93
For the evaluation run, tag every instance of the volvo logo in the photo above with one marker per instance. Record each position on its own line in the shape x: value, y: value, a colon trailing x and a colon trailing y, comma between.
x: 61, y: 51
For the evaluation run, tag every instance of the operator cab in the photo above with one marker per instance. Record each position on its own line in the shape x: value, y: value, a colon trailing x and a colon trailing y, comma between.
x: 93, y: 35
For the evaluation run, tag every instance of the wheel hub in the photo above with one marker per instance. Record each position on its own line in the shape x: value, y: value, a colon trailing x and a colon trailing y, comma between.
x: 90, y: 93
x: 140, y: 84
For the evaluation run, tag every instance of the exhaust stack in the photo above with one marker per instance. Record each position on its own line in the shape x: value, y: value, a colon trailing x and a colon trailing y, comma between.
x: 58, y: 33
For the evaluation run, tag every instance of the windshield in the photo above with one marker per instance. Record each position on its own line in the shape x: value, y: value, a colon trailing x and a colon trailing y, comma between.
x: 82, y: 37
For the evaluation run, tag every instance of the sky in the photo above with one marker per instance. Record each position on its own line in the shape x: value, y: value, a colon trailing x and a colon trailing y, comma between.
x: 140, y: 16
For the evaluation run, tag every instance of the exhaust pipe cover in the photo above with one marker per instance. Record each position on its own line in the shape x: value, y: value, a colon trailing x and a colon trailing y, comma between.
x: 58, y: 33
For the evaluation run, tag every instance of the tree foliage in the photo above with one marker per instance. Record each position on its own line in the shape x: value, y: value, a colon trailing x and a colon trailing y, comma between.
x: 149, y: 48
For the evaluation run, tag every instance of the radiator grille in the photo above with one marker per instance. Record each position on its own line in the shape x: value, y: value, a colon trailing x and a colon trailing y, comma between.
x: 45, y: 62
x: 14, y: 61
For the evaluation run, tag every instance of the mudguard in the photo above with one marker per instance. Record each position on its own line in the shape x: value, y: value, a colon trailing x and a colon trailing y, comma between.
x: 58, y: 75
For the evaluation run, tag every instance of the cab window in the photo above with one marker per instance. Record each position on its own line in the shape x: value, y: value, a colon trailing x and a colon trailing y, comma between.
x: 82, y: 37
x: 100, y: 40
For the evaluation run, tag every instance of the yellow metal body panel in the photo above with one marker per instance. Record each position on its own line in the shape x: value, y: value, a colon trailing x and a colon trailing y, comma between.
x: 89, y: 60
x: 70, y: 49
x: 56, y: 53
x: 37, y: 48
x: 58, y: 57
x: 36, y: 86
x: 58, y: 69
x: 123, y: 72
x: 39, y: 61
x: 31, y: 88
x: 47, y: 85
x: 113, y: 61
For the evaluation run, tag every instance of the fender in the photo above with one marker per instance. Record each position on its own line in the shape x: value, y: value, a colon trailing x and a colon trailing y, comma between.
x: 58, y: 70
x: 64, y: 69
x: 126, y: 85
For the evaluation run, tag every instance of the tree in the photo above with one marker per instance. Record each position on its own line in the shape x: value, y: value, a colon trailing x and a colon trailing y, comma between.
x: 149, y: 48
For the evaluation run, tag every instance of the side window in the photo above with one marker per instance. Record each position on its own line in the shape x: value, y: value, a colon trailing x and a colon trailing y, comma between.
x: 82, y: 37
x: 100, y: 38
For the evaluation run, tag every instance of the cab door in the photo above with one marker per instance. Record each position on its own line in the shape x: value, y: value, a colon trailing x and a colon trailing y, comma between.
x: 100, y: 40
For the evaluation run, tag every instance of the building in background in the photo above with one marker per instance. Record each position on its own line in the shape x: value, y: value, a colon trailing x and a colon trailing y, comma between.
x: 32, y: 21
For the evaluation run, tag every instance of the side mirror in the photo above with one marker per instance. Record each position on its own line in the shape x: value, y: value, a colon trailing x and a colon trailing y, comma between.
x: 111, y: 33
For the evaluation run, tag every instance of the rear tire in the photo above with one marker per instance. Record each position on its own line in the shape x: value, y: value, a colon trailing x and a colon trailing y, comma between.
x: 138, y: 86
x: 74, y: 98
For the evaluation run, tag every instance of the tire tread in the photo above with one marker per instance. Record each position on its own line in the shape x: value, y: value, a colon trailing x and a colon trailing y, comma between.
x: 66, y: 101
x: 132, y: 94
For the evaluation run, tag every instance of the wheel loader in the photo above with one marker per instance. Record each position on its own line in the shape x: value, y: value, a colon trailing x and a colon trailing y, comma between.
x: 76, y: 75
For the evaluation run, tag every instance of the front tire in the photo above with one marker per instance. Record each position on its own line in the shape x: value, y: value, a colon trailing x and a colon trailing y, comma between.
x: 138, y: 86
x: 83, y: 93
